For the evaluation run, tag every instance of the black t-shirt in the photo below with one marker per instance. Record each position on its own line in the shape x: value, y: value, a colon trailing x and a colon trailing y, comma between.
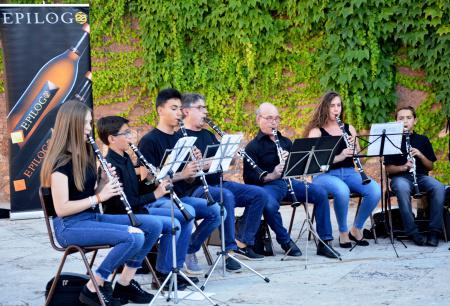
x: 420, y: 142
x: 204, y: 139
x: 264, y: 153
x: 154, y: 145
x: 347, y: 162
x: 130, y: 184
x: 89, y: 185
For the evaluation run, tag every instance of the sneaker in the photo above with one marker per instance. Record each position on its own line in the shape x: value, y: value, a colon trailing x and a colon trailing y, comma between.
x: 91, y: 298
x: 132, y: 293
x: 248, y: 253
x: 292, y: 248
x: 191, y: 265
x: 232, y: 265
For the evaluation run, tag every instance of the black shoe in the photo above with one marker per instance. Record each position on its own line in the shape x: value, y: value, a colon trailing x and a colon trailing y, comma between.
x: 345, y: 245
x: 433, y: 239
x: 294, y: 250
x: 132, y: 293
x: 91, y: 298
x: 418, y: 238
x: 162, y: 277
x: 248, y: 253
x: 232, y: 265
x: 183, y: 281
x: 360, y: 242
x: 322, y: 250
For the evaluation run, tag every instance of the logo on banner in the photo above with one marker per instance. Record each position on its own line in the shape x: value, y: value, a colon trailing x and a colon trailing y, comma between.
x: 41, y: 18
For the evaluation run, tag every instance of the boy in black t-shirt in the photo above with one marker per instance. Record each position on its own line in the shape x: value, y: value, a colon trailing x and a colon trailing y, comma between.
x: 116, y: 134
x: 153, y: 146
x: 401, y: 170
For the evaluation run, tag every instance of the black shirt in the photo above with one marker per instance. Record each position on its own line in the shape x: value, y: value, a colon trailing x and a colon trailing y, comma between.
x: 130, y: 184
x: 89, y: 184
x: 347, y: 162
x: 419, y: 142
x: 264, y: 152
x: 154, y: 145
x: 204, y: 139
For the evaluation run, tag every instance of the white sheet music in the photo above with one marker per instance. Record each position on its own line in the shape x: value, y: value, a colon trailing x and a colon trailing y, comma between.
x: 228, y: 147
x: 393, y: 131
x: 177, y: 155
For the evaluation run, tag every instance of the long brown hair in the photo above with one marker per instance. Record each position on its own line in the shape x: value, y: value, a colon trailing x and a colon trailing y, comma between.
x: 320, y: 116
x: 68, y: 144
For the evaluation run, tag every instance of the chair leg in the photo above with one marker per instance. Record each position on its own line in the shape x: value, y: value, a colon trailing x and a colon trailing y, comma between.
x: 56, y: 278
x: 91, y: 275
x: 312, y: 220
x: 91, y: 263
x: 291, y: 223
x: 152, y: 271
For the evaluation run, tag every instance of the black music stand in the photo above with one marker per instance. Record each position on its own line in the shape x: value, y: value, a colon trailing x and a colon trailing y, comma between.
x: 174, y: 161
x: 384, y: 139
x: 310, y: 156
x: 220, y: 164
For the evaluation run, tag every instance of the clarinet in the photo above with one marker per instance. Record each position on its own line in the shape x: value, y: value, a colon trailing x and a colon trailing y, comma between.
x: 241, y: 152
x: 364, y: 177
x: 200, y: 171
x: 288, y: 181
x: 417, y: 193
x: 154, y: 172
x: 134, y: 221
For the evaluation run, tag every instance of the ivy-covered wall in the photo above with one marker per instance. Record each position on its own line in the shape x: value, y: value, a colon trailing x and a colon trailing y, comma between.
x: 240, y: 53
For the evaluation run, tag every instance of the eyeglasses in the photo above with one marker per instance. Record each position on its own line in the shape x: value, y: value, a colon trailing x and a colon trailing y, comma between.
x: 270, y: 118
x: 126, y: 133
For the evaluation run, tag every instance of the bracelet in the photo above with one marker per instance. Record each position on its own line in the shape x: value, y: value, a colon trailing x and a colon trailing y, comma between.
x: 91, y: 201
x: 99, y: 199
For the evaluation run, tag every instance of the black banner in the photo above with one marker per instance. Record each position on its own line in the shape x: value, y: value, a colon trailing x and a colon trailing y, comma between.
x: 47, y: 62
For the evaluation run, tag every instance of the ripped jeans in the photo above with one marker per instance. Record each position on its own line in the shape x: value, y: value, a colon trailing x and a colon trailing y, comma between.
x: 89, y: 228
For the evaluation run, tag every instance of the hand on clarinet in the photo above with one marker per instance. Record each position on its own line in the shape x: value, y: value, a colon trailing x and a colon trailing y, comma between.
x: 109, y: 190
x: 161, y: 190
x: 416, y: 153
x: 190, y: 170
x: 197, y: 153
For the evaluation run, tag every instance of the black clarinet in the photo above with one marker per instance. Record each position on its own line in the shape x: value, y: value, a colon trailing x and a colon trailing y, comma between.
x: 417, y: 194
x: 103, y: 163
x: 154, y: 172
x: 364, y: 177
x: 288, y: 181
x: 208, y: 196
x: 241, y: 152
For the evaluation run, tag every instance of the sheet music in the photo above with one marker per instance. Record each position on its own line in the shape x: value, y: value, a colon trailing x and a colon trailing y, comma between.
x: 177, y: 155
x: 229, y: 145
x: 393, y: 140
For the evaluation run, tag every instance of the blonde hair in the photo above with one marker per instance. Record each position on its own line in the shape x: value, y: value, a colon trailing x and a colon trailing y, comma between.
x: 320, y: 116
x: 68, y: 144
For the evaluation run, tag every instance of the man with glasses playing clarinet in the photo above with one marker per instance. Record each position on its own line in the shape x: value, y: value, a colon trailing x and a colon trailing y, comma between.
x: 263, y: 150
x: 234, y: 194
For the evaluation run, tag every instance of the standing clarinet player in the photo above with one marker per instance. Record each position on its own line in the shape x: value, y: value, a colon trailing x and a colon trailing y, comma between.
x: 402, y: 179
x: 342, y: 179
x: 69, y: 169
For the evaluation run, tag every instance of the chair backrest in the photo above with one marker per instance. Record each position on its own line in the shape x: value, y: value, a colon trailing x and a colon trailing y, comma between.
x: 45, y: 195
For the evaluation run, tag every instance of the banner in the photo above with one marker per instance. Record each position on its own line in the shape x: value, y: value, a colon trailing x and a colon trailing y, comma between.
x: 47, y: 62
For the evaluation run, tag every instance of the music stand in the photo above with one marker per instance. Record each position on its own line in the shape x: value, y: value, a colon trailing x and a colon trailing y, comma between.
x: 310, y: 156
x: 384, y: 139
x: 220, y: 164
x: 174, y: 161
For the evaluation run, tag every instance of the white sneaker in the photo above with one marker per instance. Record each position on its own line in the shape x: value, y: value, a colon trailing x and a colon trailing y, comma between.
x: 191, y: 265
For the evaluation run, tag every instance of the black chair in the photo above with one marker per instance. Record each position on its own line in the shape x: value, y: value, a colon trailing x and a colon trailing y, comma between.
x: 45, y: 196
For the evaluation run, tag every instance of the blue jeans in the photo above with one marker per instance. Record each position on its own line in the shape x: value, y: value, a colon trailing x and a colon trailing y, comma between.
x: 211, y: 220
x: 162, y: 207
x: 339, y: 183
x: 402, y: 186
x: 239, y: 195
x: 89, y: 228
x: 277, y: 191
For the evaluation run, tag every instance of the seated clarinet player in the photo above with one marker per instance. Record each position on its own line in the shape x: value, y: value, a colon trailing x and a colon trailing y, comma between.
x: 342, y: 178
x: 153, y: 146
x: 234, y: 194
x: 69, y: 168
x: 116, y: 134
x: 263, y: 150
x: 409, y: 175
